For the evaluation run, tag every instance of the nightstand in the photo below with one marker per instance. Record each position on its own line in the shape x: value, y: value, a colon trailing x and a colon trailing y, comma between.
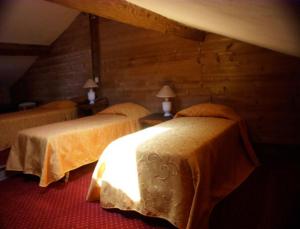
x: 85, y: 109
x: 153, y: 119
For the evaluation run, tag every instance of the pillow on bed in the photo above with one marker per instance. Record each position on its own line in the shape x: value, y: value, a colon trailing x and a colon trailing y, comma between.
x: 60, y: 104
x: 209, y: 110
x: 128, y: 109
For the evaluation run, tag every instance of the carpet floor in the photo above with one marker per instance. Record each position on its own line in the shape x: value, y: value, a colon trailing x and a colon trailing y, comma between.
x: 23, y: 204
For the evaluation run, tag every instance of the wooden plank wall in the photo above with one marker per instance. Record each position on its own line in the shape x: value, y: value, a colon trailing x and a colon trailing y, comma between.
x: 4, y: 96
x: 61, y: 73
x: 262, y: 85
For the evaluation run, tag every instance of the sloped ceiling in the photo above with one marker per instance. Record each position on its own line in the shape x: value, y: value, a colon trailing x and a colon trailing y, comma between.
x: 29, y: 22
x: 273, y: 24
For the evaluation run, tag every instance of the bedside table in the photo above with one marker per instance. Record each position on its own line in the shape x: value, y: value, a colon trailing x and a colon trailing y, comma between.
x: 85, y: 109
x: 153, y: 119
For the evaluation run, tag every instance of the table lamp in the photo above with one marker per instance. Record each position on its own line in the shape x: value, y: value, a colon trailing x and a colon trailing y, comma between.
x: 166, y: 92
x: 91, y: 94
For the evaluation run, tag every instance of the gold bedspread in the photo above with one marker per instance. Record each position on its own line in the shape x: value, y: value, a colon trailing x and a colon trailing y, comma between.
x: 177, y: 170
x: 52, y: 150
x: 11, y: 123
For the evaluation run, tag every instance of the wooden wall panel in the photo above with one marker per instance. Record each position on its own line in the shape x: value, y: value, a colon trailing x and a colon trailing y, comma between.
x: 262, y: 85
x: 61, y: 73
x: 4, y: 96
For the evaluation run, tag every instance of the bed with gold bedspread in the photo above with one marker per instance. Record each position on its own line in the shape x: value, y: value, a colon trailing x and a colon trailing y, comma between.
x: 11, y: 123
x: 177, y: 170
x: 51, y: 151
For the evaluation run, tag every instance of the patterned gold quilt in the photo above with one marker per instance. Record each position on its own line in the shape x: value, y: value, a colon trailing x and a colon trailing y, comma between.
x: 177, y: 170
x: 11, y: 123
x: 52, y: 150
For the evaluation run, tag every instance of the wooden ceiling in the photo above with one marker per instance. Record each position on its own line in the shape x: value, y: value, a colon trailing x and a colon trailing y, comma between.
x: 273, y: 24
x: 27, y: 28
x: 125, y: 12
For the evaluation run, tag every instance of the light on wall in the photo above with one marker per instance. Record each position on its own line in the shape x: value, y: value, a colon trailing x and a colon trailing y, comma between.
x: 91, y: 94
x: 166, y: 92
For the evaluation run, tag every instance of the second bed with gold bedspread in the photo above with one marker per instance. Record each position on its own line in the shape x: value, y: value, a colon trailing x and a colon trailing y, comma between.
x: 177, y: 170
x: 51, y: 151
x: 11, y: 123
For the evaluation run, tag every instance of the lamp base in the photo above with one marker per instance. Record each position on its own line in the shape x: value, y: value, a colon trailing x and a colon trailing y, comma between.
x: 167, y: 106
x: 167, y: 114
x: 91, y: 96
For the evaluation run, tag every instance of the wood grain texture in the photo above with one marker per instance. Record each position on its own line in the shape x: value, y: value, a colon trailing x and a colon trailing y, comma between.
x: 122, y: 11
x: 272, y: 24
x: 262, y: 85
x: 95, y: 46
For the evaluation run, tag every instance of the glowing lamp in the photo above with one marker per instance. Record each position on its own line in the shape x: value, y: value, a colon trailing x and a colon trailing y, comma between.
x: 91, y: 93
x: 166, y: 92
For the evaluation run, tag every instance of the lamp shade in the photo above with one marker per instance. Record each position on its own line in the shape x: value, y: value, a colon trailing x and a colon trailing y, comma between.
x: 166, y: 92
x: 90, y: 84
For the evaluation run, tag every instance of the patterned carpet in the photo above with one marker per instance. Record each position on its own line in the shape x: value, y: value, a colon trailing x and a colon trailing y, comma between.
x: 23, y: 204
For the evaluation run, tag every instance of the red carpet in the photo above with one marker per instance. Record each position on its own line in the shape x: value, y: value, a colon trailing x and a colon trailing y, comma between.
x: 23, y: 204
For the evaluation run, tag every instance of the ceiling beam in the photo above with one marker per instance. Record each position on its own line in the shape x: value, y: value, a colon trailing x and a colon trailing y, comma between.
x: 122, y: 11
x: 95, y: 46
x: 11, y: 49
x: 95, y: 50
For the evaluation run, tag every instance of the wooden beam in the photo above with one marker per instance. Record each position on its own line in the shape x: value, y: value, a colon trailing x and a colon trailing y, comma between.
x: 95, y: 48
x: 10, y: 49
x: 122, y: 11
